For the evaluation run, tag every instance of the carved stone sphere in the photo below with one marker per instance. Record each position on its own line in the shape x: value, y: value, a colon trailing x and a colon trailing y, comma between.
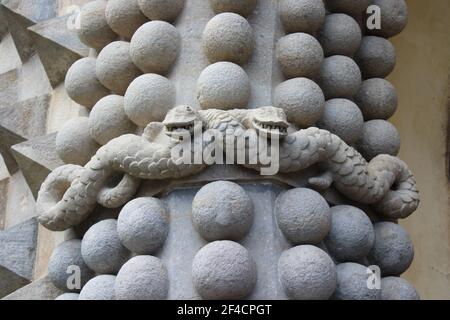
x: 307, y: 273
x: 352, y: 283
x: 108, y: 120
x: 142, y: 278
x: 395, y: 288
x: 242, y: 7
x: 303, y: 216
x: 68, y: 296
x: 302, y: 100
x: 166, y: 10
x: 94, y: 30
x: 222, y: 210
x: 228, y: 37
x: 155, y: 47
x: 379, y: 137
x: 149, y: 98
x: 82, y: 84
x: 124, y: 17
x: 101, y: 248
x: 65, y: 255
x: 352, y: 7
x: 299, y: 55
x: 301, y: 15
x: 114, y: 67
x: 394, y: 17
x: 340, y: 77
x: 99, y: 288
x: 376, y: 57
x: 340, y: 35
x: 393, y: 251
x: 377, y: 99
x: 351, y: 236
x: 143, y: 225
x: 73, y: 142
x: 224, y: 270
x: 223, y: 85
x: 343, y: 118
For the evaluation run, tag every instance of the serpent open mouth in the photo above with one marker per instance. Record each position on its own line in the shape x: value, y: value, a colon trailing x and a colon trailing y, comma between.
x: 179, y: 127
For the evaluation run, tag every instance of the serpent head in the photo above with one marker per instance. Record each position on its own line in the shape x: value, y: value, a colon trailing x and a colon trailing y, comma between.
x: 270, y: 121
x: 180, y: 119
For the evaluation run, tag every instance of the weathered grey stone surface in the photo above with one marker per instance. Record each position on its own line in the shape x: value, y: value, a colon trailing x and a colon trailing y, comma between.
x: 68, y: 296
x: 351, y: 7
x: 394, y: 17
x: 124, y: 17
x: 42, y: 289
x: 242, y: 7
x: 301, y: 15
x: 379, y: 137
x: 376, y: 57
x: 99, y: 288
x: 352, y: 283
x: 395, y: 288
x: 166, y: 10
x: 10, y: 281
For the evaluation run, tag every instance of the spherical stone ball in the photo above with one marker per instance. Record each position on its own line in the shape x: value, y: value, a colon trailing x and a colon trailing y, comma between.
x: 124, y: 17
x: 108, y: 120
x: 101, y: 248
x: 224, y: 270
x: 223, y: 85
x: 242, y: 7
x: 99, y: 288
x: 68, y: 296
x: 307, y: 273
x: 394, y: 17
x: 377, y: 99
x: 339, y: 77
x: 94, y: 30
x: 65, y: 258
x: 228, y: 37
x: 343, y: 118
x: 352, y: 280
x: 301, y: 99
x: 82, y: 84
x: 143, y: 225
x: 351, y: 7
x: 303, y: 216
x: 299, y: 55
x: 166, y: 10
x: 301, y: 15
x: 155, y: 47
x: 396, y: 288
x: 142, y: 278
x: 340, y: 35
x: 149, y: 98
x: 114, y: 67
x: 376, y: 57
x: 222, y: 210
x: 378, y: 137
x: 351, y: 236
x: 393, y: 250
x: 73, y: 142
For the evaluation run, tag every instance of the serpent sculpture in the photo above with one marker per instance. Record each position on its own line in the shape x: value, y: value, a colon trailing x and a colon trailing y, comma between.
x: 113, y: 175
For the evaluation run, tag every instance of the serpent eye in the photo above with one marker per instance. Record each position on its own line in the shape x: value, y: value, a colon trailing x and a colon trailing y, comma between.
x: 188, y: 108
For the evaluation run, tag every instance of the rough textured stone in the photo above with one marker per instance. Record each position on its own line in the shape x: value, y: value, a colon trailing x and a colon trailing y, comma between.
x: 376, y: 57
x: 379, y: 137
x: 223, y: 85
x: 143, y: 225
x: 395, y: 288
x: 351, y: 7
x: 352, y: 283
x: 393, y: 251
x: 340, y: 35
x: 394, y: 17
x: 108, y: 120
x: 299, y: 55
x: 302, y: 100
x: 99, y: 288
x: 142, y: 278
x: 159, y: 40
x: 303, y: 216
x: 74, y: 144
x: 41, y: 289
x: 101, y: 248
x: 242, y: 7
x: 302, y: 15
x: 98, y: 214
x: 114, y: 67
x: 166, y: 10
x: 10, y: 281
x: 222, y: 211
x: 228, y: 37
x: 377, y: 99
x: 343, y: 118
x: 149, y: 98
x: 68, y: 296
x: 307, y: 273
x: 82, y: 84
x: 339, y: 77
x: 124, y: 17
x: 224, y: 270
x: 351, y: 236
